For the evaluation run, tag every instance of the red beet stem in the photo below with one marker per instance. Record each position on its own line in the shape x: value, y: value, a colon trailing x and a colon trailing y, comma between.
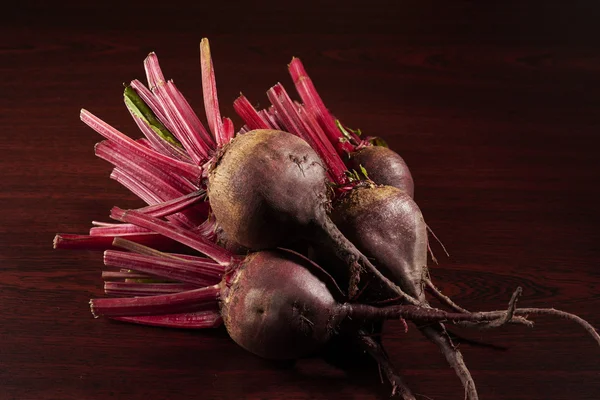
x: 195, y: 273
x: 196, y: 320
x: 184, y: 236
x: 294, y: 123
x: 156, y: 185
x: 87, y: 242
x: 211, y: 100
x: 117, y: 230
x: 271, y: 116
x: 120, y: 275
x: 309, y: 95
x: 191, y: 300
x: 248, y: 113
x: 185, y: 124
x: 143, y: 170
x: 229, y: 128
x: 176, y: 205
x: 204, y: 263
x: 190, y: 171
x: 145, y: 289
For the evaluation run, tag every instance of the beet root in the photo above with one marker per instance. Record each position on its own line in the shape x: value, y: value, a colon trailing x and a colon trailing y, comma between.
x: 387, y: 225
x: 276, y: 308
x: 267, y: 186
x: 384, y: 166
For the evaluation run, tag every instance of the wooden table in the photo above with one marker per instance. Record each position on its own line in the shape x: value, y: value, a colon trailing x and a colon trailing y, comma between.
x: 496, y: 108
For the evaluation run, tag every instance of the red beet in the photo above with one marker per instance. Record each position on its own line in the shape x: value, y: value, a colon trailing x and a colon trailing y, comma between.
x: 384, y: 167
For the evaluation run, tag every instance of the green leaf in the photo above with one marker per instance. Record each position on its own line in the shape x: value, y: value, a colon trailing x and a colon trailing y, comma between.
x: 137, y: 107
x: 377, y: 141
x: 364, y: 172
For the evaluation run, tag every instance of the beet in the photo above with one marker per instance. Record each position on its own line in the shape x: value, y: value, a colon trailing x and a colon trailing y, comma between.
x: 274, y: 294
x: 267, y: 186
x: 387, y: 225
x: 384, y: 167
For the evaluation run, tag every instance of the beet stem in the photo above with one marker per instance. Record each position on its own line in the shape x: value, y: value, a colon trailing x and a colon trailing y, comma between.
x: 169, y: 268
x: 312, y: 100
x: 185, y: 124
x: 195, y: 320
x: 104, y: 129
x: 145, y: 289
x: 209, y: 90
x: 87, y: 242
x: 294, y: 123
x: 191, y: 300
x: 248, y: 113
x: 183, y: 236
x: 146, y: 119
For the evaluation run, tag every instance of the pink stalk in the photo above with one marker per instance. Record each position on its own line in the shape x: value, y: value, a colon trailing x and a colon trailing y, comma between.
x: 144, y: 289
x: 208, y: 228
x: 171, y: 269
x: 186, y: 125
x: 184, y: 122
x: 315, y: 105
x: 117, y: 230
x: 153, y: 72
x: 171, y: 186
x: 151, y: 197
x: 191, y: 300
x: 134, y: 247
x: 152, y: 102
x: 273, y: 117
x: 229, y: 128
x: 209, y: 90
x: 155, y: 183
x: 119, y: 275
x: 87, y: 242
x: 248, y: 113
x: 294, y: 123
x: 175, y: 205
x: 183, y: 236
x: 189, y: 171
x: 197, y: 320
x: 158, y: 143
x: 126, y: 179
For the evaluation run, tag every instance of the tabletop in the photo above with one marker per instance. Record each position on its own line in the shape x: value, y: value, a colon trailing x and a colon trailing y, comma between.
x: 494, y: 106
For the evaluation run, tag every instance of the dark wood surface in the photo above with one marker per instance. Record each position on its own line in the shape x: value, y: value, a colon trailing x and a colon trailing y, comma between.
x: 495, y: 107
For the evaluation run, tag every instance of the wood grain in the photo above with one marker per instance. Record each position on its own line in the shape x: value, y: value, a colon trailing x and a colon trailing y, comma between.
x: 495, y: 107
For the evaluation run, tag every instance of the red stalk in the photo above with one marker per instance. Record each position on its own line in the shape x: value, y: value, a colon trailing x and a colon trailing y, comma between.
x: 209, y: 90
x: 87, y: 242
x: 183, y: 236
x: 119, y: 275
x: 197, y: 320
x: 117, y: 230
x: 315, y: 105
x: 271, y: 116
x: 229, y: 128
x: 158, y: 143
x: 152, y: 102
x: 248, y: 113
x: 189, y: 171
x: 294, y: 123
x: 195, y: 273
x: 126, y: 179
x: 189, y: 301
x: 144, y: 289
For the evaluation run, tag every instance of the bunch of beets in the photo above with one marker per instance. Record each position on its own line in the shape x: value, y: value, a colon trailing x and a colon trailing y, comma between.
x: 291, y: 232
